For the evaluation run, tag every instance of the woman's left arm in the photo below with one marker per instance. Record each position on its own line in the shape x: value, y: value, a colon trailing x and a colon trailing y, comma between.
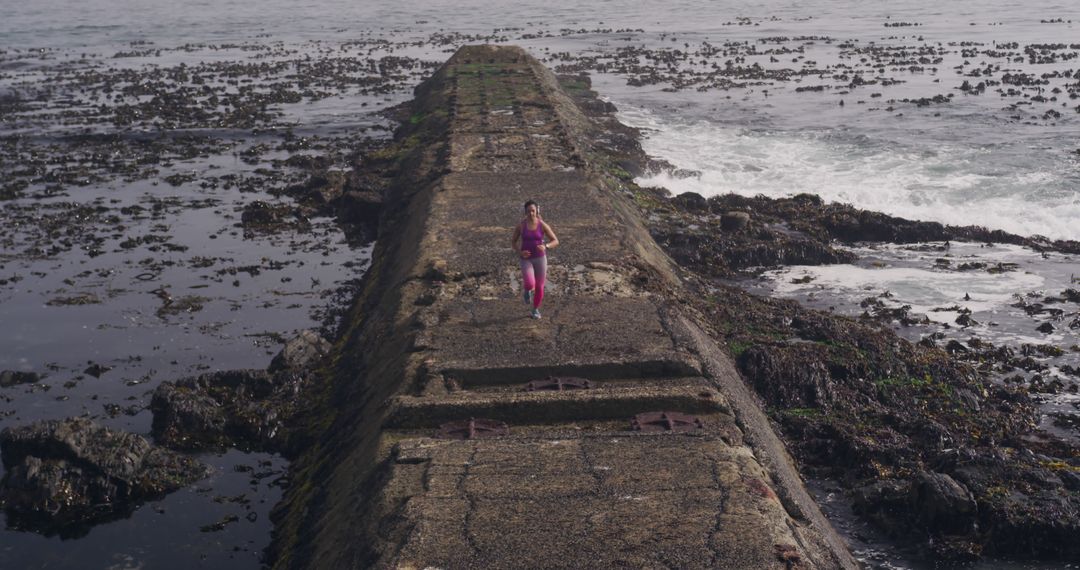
x: 550, y: 235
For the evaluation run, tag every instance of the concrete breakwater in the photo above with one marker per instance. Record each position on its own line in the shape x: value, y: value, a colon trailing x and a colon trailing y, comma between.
x: 439, y: 335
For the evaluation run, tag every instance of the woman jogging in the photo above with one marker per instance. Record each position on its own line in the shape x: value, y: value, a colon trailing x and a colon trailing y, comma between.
x: 530, y: 233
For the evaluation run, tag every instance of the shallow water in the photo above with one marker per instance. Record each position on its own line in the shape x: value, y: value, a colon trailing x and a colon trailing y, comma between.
x: 995, y: 159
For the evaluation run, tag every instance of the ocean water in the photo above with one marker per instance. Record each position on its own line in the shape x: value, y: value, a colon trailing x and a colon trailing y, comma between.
x: 747, y: 97
x: 991, y: 159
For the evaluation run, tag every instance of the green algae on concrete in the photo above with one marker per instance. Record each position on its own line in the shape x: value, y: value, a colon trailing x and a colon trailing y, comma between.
x: 439, y: 333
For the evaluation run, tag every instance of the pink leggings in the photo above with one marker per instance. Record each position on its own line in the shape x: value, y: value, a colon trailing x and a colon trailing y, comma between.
x: 533, y: 275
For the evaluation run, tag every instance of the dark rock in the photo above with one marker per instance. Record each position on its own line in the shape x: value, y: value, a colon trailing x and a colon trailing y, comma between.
x: 1045, y: 328
x: 264, y: 216
x: 9, y: 378
x: 1070, y: 479
x: 965, y: 320
x: 734, y: 221
x: 886, y: 503
x: 96, y: 370
x: 260, y: 213
x: 245, y: 408
x: 691, y: 201
x: 60, y: 473
x: 942, y: 504
x: 955, y: 347
x: 321, y: 189
x: 186, y: 417
x: 301, y: 353
x: 361, y: 207
x: 794, y: 376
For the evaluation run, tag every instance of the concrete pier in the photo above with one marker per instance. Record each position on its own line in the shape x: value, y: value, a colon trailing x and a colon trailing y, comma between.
x: 441, y: 335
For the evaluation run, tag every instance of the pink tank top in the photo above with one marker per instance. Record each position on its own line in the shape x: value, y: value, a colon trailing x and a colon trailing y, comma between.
x: 531, y: 239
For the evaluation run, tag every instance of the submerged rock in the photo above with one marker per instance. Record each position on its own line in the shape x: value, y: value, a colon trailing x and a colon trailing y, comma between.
x: 65, y: 472
x: 321, y: 189
x: 9, y: 378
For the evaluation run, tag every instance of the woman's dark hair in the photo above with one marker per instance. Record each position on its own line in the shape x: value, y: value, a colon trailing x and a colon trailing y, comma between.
x: 531, y: 203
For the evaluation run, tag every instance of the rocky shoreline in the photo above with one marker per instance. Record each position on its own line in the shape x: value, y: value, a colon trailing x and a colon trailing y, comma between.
x: 926, y: 445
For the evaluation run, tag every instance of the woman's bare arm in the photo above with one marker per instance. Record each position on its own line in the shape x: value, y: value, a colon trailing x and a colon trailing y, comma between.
x: 514, y: 239
x: 550, y: 235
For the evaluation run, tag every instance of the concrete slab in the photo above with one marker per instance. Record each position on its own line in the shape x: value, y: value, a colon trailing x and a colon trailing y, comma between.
x: 520, y: 408
x: 591, y: 502
x: 494, y: 341
x: 475, y: 214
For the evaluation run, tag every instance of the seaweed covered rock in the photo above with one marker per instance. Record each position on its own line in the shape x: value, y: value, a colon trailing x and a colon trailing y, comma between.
x: 301, y: 353
x: 943, y: 504
x: 61, y: 473
x: 931, y: 449
x: 795, y: 375
x: 722, y: 245
x: 321, y: 189
x: 246, y: 408
x: 727, y: 234
x: 825, y: 222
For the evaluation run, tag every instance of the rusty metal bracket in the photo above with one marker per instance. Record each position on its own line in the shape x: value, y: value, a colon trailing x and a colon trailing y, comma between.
x: 557, y: 383
x: 472, y: 428
x: 665, y: 421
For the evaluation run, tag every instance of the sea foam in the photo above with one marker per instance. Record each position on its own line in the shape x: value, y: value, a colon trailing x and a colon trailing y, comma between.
x: 948, y: 182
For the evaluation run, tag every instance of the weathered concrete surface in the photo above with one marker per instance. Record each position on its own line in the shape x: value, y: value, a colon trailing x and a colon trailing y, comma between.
x: 441, y: 333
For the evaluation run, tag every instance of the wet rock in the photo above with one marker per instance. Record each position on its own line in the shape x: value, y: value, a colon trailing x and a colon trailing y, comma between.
x: 942, y: 504
x: 9, y: 378
x: 321, y: 189
x: 59, y: 473
x: 361, y: 207
x: 886, y: 503
x: 263, y: 215
x: 301, y: 353
x: 1070, y: 479
x: 691, y: 201
x: 245, y: 408
x: 1045, y: 328
x: 96, y: 370
x: 956, y: 347
x: 734, y: 221
x: 795, y: 376
x: 186, y: 417
x: 965, y: 320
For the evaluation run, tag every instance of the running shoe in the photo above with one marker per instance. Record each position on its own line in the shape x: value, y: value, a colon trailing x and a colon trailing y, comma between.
x: 527, y: 295
x: 536, y: 313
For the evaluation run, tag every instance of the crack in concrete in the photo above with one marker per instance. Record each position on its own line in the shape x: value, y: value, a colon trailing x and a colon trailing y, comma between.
x: 472, y: 501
